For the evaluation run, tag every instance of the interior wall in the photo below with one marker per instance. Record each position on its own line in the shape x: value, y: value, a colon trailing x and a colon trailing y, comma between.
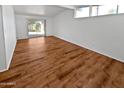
x: 21, y: 25
x: 2, y: 45
x: 104, y: 34
x: 9, y: 32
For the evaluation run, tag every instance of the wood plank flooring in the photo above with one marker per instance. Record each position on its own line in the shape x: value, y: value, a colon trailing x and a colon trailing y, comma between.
x: 52, y: 62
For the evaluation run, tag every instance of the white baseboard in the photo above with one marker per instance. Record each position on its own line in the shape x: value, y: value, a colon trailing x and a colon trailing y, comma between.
x: 121, y: 60
x: 10, y: 60
x: 3, y: 70
x: 8, y: 65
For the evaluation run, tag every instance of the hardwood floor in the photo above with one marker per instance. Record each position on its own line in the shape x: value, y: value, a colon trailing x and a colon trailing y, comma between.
x: 52, y: 62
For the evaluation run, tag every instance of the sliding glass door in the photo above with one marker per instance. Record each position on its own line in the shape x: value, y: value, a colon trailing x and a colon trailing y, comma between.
x: 36, y: 28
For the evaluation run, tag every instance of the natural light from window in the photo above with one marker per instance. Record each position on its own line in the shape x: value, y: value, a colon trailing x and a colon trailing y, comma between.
x: 98, y: 10
x: 107, y: 9
x: 35, y: 27
x: 82, y: 12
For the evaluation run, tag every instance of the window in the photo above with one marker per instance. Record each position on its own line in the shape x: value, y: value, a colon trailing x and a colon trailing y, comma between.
x: 121, y: 8
x: 98, y: 10
x: 36, y: 27
x: 82, y: 12
x: 107, y: 9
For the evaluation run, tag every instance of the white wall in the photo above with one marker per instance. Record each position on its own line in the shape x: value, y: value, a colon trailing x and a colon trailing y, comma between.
x: 9, y: 32
x: 2, y: 45
x: 21, y: 25
x: 103, y: 34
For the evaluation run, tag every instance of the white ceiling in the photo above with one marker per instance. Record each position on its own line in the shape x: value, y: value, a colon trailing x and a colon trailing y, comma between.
x: 40, y: 10
x: 73, y: 6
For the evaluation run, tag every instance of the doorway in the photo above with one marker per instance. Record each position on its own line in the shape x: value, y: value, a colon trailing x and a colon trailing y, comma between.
x: 36, y: 28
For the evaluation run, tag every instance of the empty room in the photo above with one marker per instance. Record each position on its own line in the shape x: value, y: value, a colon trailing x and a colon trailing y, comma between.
x: 62, y: 46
